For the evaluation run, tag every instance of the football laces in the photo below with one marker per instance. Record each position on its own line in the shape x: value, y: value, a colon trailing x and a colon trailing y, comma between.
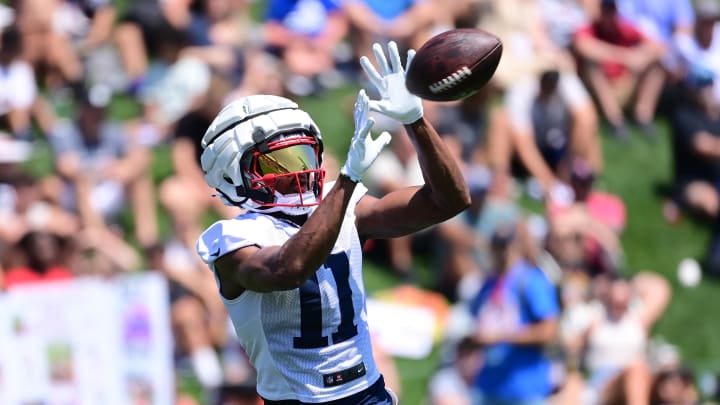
x: 451, y: 80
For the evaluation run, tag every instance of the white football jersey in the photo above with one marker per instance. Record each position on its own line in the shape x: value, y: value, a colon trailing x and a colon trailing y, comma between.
x: 312, y: 343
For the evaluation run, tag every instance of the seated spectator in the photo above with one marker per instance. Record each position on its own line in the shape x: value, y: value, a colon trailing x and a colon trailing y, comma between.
x: 172, y: 87
x: 88, y: 24
x: 699, y: 52
x: 609, y: 332
x: 696, y: 129
x: 18, y: 91
x: 464, y: 255
x: 193, y: 337
x: 24, y: 205
x: 141, y: 29
x: 474, y: 128
x: 615, y: 349
x: 665, y: 21
x: 621, y: 66
x: 674, y: 387
x: 100, y: 168
x: 516, y: 314
x: 556, y: 134
x: 262, y: 75
x: 184, y: 194
x: 450, y: 384
x: 407, y: 22
x: 45, y: 47
x: 540, y: 84
x: 583, y: 236
x: 304, y: 34
x: 219, y: 32
x: 40, y: 260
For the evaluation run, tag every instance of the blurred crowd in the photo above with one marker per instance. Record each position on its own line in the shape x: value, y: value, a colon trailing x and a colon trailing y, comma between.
x: 544, y: 307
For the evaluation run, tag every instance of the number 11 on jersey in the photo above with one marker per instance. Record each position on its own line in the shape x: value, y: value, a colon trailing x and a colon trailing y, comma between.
x: 311, y: 307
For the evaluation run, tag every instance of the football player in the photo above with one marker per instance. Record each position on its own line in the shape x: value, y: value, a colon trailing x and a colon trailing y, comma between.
x: 289, y: 270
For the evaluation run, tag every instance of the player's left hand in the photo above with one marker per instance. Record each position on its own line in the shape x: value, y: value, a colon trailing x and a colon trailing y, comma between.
x: 395, y: 100
x: 363, y: 148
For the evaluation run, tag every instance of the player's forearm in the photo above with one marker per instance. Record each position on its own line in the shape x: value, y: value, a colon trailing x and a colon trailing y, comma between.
x: 440, y: 170
x: 308, y: 249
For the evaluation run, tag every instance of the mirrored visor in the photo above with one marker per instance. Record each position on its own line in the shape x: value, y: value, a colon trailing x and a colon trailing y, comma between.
x: 295, y: 158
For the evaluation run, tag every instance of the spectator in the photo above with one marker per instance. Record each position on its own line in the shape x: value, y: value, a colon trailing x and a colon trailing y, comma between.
x: 219, y: 33
x: 478, y: 131
x: 263, y: 74
x: 304, y: 34
x: 615, y: 349
x: 142, y: 28
x: 674, y: 387
x: 173, y: 86
x: 700, y: 51
x: 88, y: 24
x: 529, y: 53
x: 584, y: 235
x: 450, y: 384
x: 46, y: 48
x: 465, y: 239
x: 516, y: 314
x: 184, y: 194
x: 99, y: 166
x: 189, y: 316
x: 620, y: 65
x: 18, y: 91
x: 696, y: 130
x: 408, y: 22
x: 42, y: 261
x: 660, y: 19
x: 24, y: 207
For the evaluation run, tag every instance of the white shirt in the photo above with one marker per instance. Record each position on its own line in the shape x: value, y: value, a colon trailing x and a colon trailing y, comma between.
x: 295, y: 339
x: 709, y: 58
x: 17, y: 87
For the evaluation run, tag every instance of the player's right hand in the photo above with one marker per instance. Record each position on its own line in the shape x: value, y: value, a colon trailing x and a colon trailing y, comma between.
x: 363, y: 148
x: 395, y: 101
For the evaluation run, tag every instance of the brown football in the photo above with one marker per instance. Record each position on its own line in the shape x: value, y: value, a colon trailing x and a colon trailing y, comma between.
x: 454, y: 64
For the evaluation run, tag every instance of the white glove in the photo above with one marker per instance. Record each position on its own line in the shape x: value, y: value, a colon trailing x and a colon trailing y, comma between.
x: 363, y: 149
x: 396, y: 101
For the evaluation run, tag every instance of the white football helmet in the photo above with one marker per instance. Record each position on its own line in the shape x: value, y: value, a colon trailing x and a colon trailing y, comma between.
x: 261, y: 142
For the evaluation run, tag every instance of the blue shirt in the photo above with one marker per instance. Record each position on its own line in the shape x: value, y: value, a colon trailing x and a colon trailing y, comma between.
x: 505, y: 303
x: 389, y: 9
x: 308, y: 17
x: 110, y: 145
x: 658, y: 17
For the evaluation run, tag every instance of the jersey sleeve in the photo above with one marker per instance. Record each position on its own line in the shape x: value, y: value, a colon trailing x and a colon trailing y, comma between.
x: 223, y: 237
